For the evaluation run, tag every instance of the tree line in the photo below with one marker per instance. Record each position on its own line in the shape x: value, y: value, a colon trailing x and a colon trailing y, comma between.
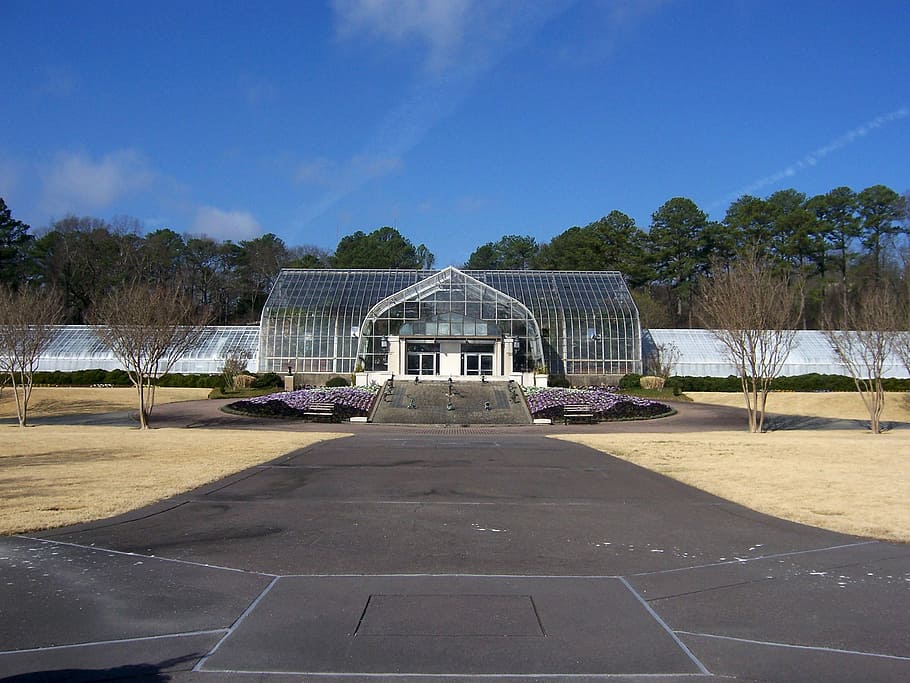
x: 837, y: 244
x: 84, y: 258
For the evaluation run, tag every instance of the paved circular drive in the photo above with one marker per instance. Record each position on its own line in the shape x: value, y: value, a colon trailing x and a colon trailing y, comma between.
x: 450, y: 554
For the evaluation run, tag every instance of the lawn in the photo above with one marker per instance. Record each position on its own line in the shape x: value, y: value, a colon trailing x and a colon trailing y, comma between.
x: 52, y: 475
x: 86, y: 400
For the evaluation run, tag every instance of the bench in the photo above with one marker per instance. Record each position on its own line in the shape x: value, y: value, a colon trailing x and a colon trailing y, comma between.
x: 577, y: 412
x: 316, y: 410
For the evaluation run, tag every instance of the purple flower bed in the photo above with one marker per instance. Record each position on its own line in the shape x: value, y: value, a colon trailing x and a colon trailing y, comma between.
x: 606, y: 403
x: 349, y: 402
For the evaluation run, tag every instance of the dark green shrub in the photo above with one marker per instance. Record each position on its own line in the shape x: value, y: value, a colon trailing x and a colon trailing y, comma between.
x: 269, y: 379
x: 338, y: 382
x: 630, y: 381
x: 808, y: 382
x: 119, y: 378
x: 560, y: 381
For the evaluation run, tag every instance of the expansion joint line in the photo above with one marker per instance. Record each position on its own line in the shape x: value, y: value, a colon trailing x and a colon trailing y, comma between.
x: 670, y: 632
x: 143, y: 556
x: 118, y: 641
x: 790, y: 646
x: 233, y: 627
x: 746, y: 560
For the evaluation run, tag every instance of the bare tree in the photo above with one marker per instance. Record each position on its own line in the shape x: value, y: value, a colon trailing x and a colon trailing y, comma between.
x: 903, y: 337
x: 235, y: 361
x: 662, y: 360
x: 753, y: 311
x: 27, y: 326
x: 148, y: 330
x: 864, y: 341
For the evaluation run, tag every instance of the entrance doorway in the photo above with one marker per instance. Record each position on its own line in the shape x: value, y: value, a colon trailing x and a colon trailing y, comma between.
x: 477, y: 359
x: 422, y: 359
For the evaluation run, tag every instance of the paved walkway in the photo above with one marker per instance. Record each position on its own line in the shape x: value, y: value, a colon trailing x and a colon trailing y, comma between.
x: 450, y: 554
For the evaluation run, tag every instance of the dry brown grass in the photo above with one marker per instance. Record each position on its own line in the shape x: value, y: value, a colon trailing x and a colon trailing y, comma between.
x: 85, y: 400
x: 838, y: 405
x: 52, y: 476
x: 848, y: 481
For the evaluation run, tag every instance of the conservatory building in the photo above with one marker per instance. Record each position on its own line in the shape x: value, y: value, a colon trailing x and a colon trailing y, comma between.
x: 450, y: 323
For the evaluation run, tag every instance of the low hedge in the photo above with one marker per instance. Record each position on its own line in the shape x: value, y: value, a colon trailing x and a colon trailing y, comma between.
x: 809, y: 382
x: 119, y: 378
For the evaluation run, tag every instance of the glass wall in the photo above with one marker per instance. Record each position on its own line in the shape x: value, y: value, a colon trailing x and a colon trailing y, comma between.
x: 588, y: 320
x: 76, y: 347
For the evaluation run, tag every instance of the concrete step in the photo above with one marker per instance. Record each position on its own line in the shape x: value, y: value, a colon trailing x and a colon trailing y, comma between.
x: 461, y: 403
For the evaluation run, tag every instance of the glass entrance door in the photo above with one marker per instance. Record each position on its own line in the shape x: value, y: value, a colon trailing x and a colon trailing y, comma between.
x: 477, y: 361
x: 422, y: 359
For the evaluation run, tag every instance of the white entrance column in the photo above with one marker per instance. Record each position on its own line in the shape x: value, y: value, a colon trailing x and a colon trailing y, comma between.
x: 395, y: 355
x: 449, y: 358
x: 508, y: 355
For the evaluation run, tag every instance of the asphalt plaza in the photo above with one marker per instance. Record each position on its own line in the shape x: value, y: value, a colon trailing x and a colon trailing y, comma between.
x: 435, y: 554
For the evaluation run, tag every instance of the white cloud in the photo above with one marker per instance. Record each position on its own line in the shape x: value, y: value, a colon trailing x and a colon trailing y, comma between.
x: 257, y: 91
x: 56, y: 81
x: 319, y: 171
x: 9, y: 178
x: 813, y: 158
x: 75, y: 182
x: 226, y: 225
x: 440, y: 25
x: 346, y: 175
x: 464, y: 38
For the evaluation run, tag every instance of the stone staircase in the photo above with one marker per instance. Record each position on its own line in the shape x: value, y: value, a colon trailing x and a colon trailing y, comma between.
x: 432, y: 403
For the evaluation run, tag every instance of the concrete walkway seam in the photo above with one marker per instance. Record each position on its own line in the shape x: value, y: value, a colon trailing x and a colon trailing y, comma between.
x: 790, y: 646
x: 665, y: 627
x: 118, y: 641
x: 747, y: 560
x: 249, y: 610
x: 143, y: 556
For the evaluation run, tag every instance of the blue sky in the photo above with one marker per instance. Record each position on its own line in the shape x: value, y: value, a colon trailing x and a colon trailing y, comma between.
x: 456, y: 121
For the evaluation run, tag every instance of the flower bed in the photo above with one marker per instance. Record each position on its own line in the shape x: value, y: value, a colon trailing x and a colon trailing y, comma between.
x: 607, y: 404
x: 349, y: 402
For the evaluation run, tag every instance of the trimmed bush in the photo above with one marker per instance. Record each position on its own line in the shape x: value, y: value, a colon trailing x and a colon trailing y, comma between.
x: 630, y: 381
x: 338, y: 382
x: 269, y: 379
x: 809, y: 382
x: 190, y: 381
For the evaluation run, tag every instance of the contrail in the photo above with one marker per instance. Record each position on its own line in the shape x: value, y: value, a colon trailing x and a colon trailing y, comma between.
x: 439, y: 94
x: 812, y: 158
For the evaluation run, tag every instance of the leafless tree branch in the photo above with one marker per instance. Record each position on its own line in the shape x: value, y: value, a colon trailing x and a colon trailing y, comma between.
x: 753, y: 311
x: 864, y: 341
x: 27, y: 326
x: 148, y: 330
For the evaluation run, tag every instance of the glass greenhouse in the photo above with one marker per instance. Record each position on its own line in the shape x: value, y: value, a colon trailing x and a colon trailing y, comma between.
x: 699, y: 353
x: 450, y: 322
x: 76, y: 347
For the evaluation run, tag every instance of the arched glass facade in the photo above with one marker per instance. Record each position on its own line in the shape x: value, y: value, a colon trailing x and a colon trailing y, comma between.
x: 342, y: 321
